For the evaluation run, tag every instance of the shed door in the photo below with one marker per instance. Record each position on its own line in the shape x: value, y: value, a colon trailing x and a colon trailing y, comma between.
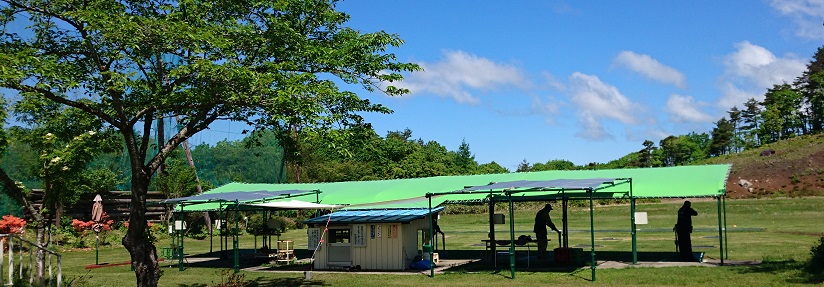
x: 339, y: 251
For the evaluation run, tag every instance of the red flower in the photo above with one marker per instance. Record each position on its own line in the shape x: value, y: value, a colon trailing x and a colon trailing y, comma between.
x: 12, y: 224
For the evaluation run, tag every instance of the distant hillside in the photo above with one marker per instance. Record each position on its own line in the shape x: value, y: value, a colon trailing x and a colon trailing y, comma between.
x: 796, y: 168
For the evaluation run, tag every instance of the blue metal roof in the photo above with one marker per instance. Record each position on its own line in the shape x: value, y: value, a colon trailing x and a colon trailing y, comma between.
x: 374, y: 216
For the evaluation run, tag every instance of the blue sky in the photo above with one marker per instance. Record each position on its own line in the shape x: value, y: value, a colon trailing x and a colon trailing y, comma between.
x: 585, y: 81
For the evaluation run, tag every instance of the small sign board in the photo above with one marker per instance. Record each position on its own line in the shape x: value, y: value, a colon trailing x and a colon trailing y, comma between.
x: 359, y: 235
x: 314, y: 238
x: 498, y: 218
x: 641, y: 218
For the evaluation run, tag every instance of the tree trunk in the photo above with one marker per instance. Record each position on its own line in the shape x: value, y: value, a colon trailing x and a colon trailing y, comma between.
x: 137, y: 240
x: 58, y: 213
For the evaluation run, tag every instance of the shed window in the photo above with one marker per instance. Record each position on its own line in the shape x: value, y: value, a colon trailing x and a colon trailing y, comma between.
x: 339, y: 236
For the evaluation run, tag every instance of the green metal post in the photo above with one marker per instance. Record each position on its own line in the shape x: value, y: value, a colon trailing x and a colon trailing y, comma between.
x: 211, y: 232
x: 96, y: 248
x: 511, y: 236
x: 491, y: 234
x: 634, y: 225
x: 592, y: 235
x: 180, y: 242
x: 720, y: 233
x: 726, y: 241
x: 431, y: 239
x: 236, y: 238
x: 634, y: 231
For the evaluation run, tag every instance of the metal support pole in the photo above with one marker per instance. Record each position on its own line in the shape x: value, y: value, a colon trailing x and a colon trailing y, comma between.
x: 634, y: 225
x: 491, y: 235
x: 236, y: 237
x: 511, y: 237
x: 720, y: 232
x: 592, y: 235
x: 180, y: 241
x: 431, y: 239
x: 96, y: 248
x: 211, y: 240
x: 634, y: 231
x: 172, y: 237
x: 726, y: 239
x: 565, y: 222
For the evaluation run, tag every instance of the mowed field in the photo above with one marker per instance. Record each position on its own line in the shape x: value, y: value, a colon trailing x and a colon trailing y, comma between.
x: 778, y: 231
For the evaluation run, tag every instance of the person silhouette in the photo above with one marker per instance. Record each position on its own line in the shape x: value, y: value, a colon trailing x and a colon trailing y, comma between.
x: 683, y: 228
x: 542, y: 220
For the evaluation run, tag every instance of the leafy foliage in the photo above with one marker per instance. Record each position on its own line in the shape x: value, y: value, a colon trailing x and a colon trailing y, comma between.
x: 815, y: 265
x: 128, y: 63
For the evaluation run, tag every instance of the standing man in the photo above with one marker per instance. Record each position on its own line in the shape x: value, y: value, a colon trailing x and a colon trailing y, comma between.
x: 542, y: 220
x: 683, y: 228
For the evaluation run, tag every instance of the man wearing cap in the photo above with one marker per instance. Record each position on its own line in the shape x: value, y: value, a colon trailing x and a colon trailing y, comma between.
x: 542, y: 220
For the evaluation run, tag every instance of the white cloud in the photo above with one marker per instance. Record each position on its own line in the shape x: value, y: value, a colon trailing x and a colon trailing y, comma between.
x: 733, y: 96
x: 751, y: 70
x: 548, y: 108
x: 458, y: 74
x: 807, y: 14
x: 650, y: 68
x: 553, y: 82
x: 685, y: 109
x: 597, y: 101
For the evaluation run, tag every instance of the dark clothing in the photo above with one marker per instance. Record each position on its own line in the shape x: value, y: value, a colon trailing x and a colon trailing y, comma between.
x: 683, y: 228
x: 542, y: 220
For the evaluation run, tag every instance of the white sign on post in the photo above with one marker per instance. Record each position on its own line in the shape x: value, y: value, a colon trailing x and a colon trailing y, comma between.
x: 180, y: 225
x: 641, y: 218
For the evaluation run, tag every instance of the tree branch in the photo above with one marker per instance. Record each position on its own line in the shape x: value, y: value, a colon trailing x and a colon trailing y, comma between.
x: 14, y: 191
x: 51, y: 96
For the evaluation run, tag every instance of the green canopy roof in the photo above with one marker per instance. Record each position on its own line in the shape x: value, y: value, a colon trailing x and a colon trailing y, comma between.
x: 681, y: 181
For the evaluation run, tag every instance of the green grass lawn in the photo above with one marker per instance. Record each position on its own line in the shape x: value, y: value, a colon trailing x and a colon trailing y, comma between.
x: 779, y: 231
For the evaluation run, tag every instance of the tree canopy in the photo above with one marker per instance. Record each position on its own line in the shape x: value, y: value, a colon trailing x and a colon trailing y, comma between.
x: 128, y: 63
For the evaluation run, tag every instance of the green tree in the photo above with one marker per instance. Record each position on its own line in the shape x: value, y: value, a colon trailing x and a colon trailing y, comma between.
x: 128, y: 62
x: 781, y: 115
x: 722, y: 136
x: 751, y: 121
x: 464, y: 160
x: 683, y: 149
x: 737, y: 142
x: 491, y: 168
x: 524, y: 166
x: 555, y: 164
x: 65, y: 141
x: 811, y: 87
x: 645, y: 155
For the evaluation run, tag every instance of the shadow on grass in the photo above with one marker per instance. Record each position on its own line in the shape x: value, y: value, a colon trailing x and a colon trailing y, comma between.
x: 792, y: 270
x: 272, y: 282
x: 577, y: 274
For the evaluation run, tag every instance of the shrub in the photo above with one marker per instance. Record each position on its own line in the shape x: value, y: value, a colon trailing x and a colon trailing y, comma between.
x: 228, y: 278
x: 815, y: 266
x: 12, y: 224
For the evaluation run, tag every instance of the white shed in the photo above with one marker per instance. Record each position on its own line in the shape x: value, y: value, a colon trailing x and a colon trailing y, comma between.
x: 387, y: 239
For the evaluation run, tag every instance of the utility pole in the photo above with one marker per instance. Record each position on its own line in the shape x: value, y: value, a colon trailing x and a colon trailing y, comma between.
x: 197, y: 179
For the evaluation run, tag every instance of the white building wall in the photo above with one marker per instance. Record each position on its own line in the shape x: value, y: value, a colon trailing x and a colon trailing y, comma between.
x: 388, y: 246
